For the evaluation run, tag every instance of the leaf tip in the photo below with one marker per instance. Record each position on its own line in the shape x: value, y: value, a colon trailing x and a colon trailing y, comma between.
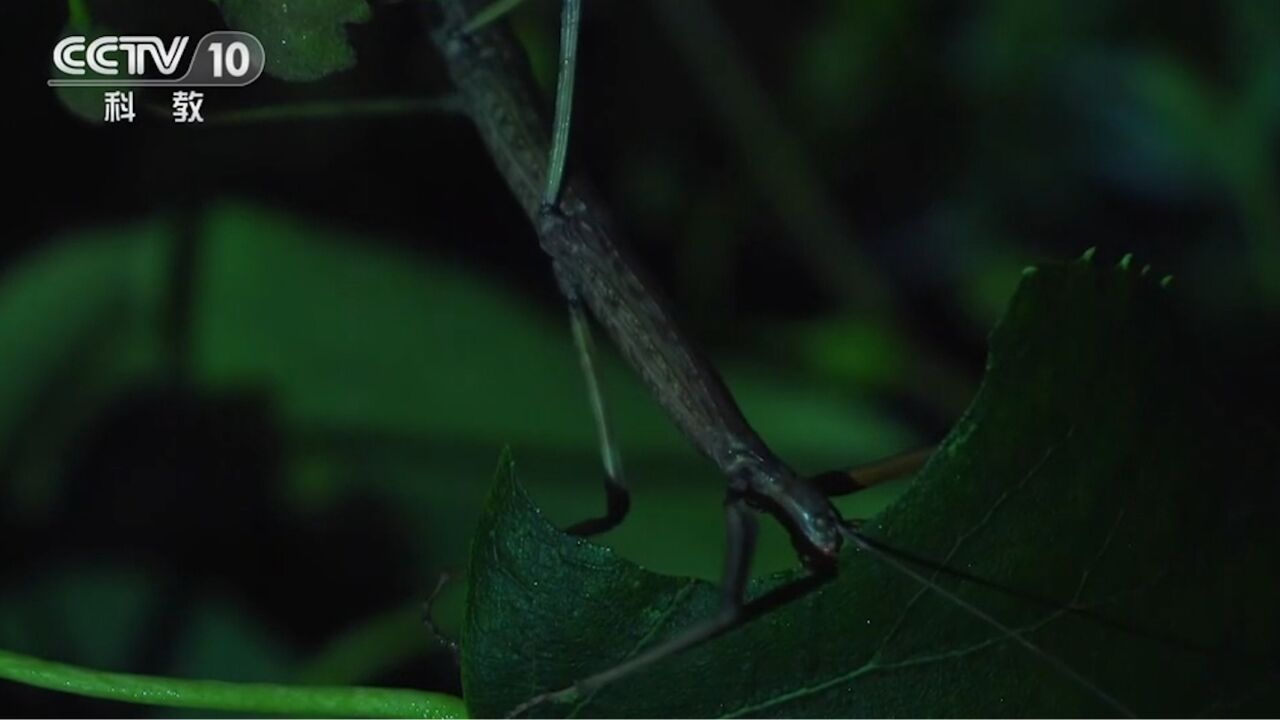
x: 1126, y: 262
x: 1087, y: 256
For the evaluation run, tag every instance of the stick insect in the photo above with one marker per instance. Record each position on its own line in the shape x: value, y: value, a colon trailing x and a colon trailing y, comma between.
x: 597, y: 275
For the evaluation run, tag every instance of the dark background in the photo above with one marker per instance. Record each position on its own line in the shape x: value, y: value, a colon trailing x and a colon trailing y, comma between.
x: 256, y: 375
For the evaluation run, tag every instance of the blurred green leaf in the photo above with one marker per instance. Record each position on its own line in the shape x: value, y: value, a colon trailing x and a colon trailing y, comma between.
x: 990, y: 279
x: 1189, y: 117
x: 1111, y: 511
x: 1012, y: 49
x: 386, y: 343
x: 375, y: 646
x: 838, y: 71
x: 1178, y: 130
x: 393, y: 374
x: 61, y: 610
x: 86, y: 310
x: 78, y: 13
x: 305, y: 39
x: 852, y: 351
x: 404, y: 377
x: 220, y: 640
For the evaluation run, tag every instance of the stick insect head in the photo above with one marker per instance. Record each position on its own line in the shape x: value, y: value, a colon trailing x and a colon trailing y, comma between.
x: 811, y: 520
x: 814, y: 524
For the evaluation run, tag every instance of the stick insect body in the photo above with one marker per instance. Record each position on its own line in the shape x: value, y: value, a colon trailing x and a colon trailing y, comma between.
x: 597, y: 274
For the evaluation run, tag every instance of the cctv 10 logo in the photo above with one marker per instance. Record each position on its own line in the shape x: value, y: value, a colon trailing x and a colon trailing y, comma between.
x: 223, y: 58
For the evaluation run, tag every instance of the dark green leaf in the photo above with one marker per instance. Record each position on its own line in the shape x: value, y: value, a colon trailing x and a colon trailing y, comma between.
x: 304, y: 39
x: 1111, y: 512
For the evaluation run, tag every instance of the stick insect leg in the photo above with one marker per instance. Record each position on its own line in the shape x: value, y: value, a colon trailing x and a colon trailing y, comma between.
x: 740, y: 527
x: 570, y: 21
x: 740, y: 535
x: 617, y: 498
x: 846, y: 482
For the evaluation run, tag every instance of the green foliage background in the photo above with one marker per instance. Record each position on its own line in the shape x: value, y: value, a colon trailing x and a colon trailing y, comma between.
x: 255, y: 375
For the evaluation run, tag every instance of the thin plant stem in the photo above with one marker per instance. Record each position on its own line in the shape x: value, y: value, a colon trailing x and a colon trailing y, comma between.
x: 251, y: 698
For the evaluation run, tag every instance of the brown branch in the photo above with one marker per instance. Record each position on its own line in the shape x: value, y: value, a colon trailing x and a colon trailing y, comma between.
x: 491, y: 74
